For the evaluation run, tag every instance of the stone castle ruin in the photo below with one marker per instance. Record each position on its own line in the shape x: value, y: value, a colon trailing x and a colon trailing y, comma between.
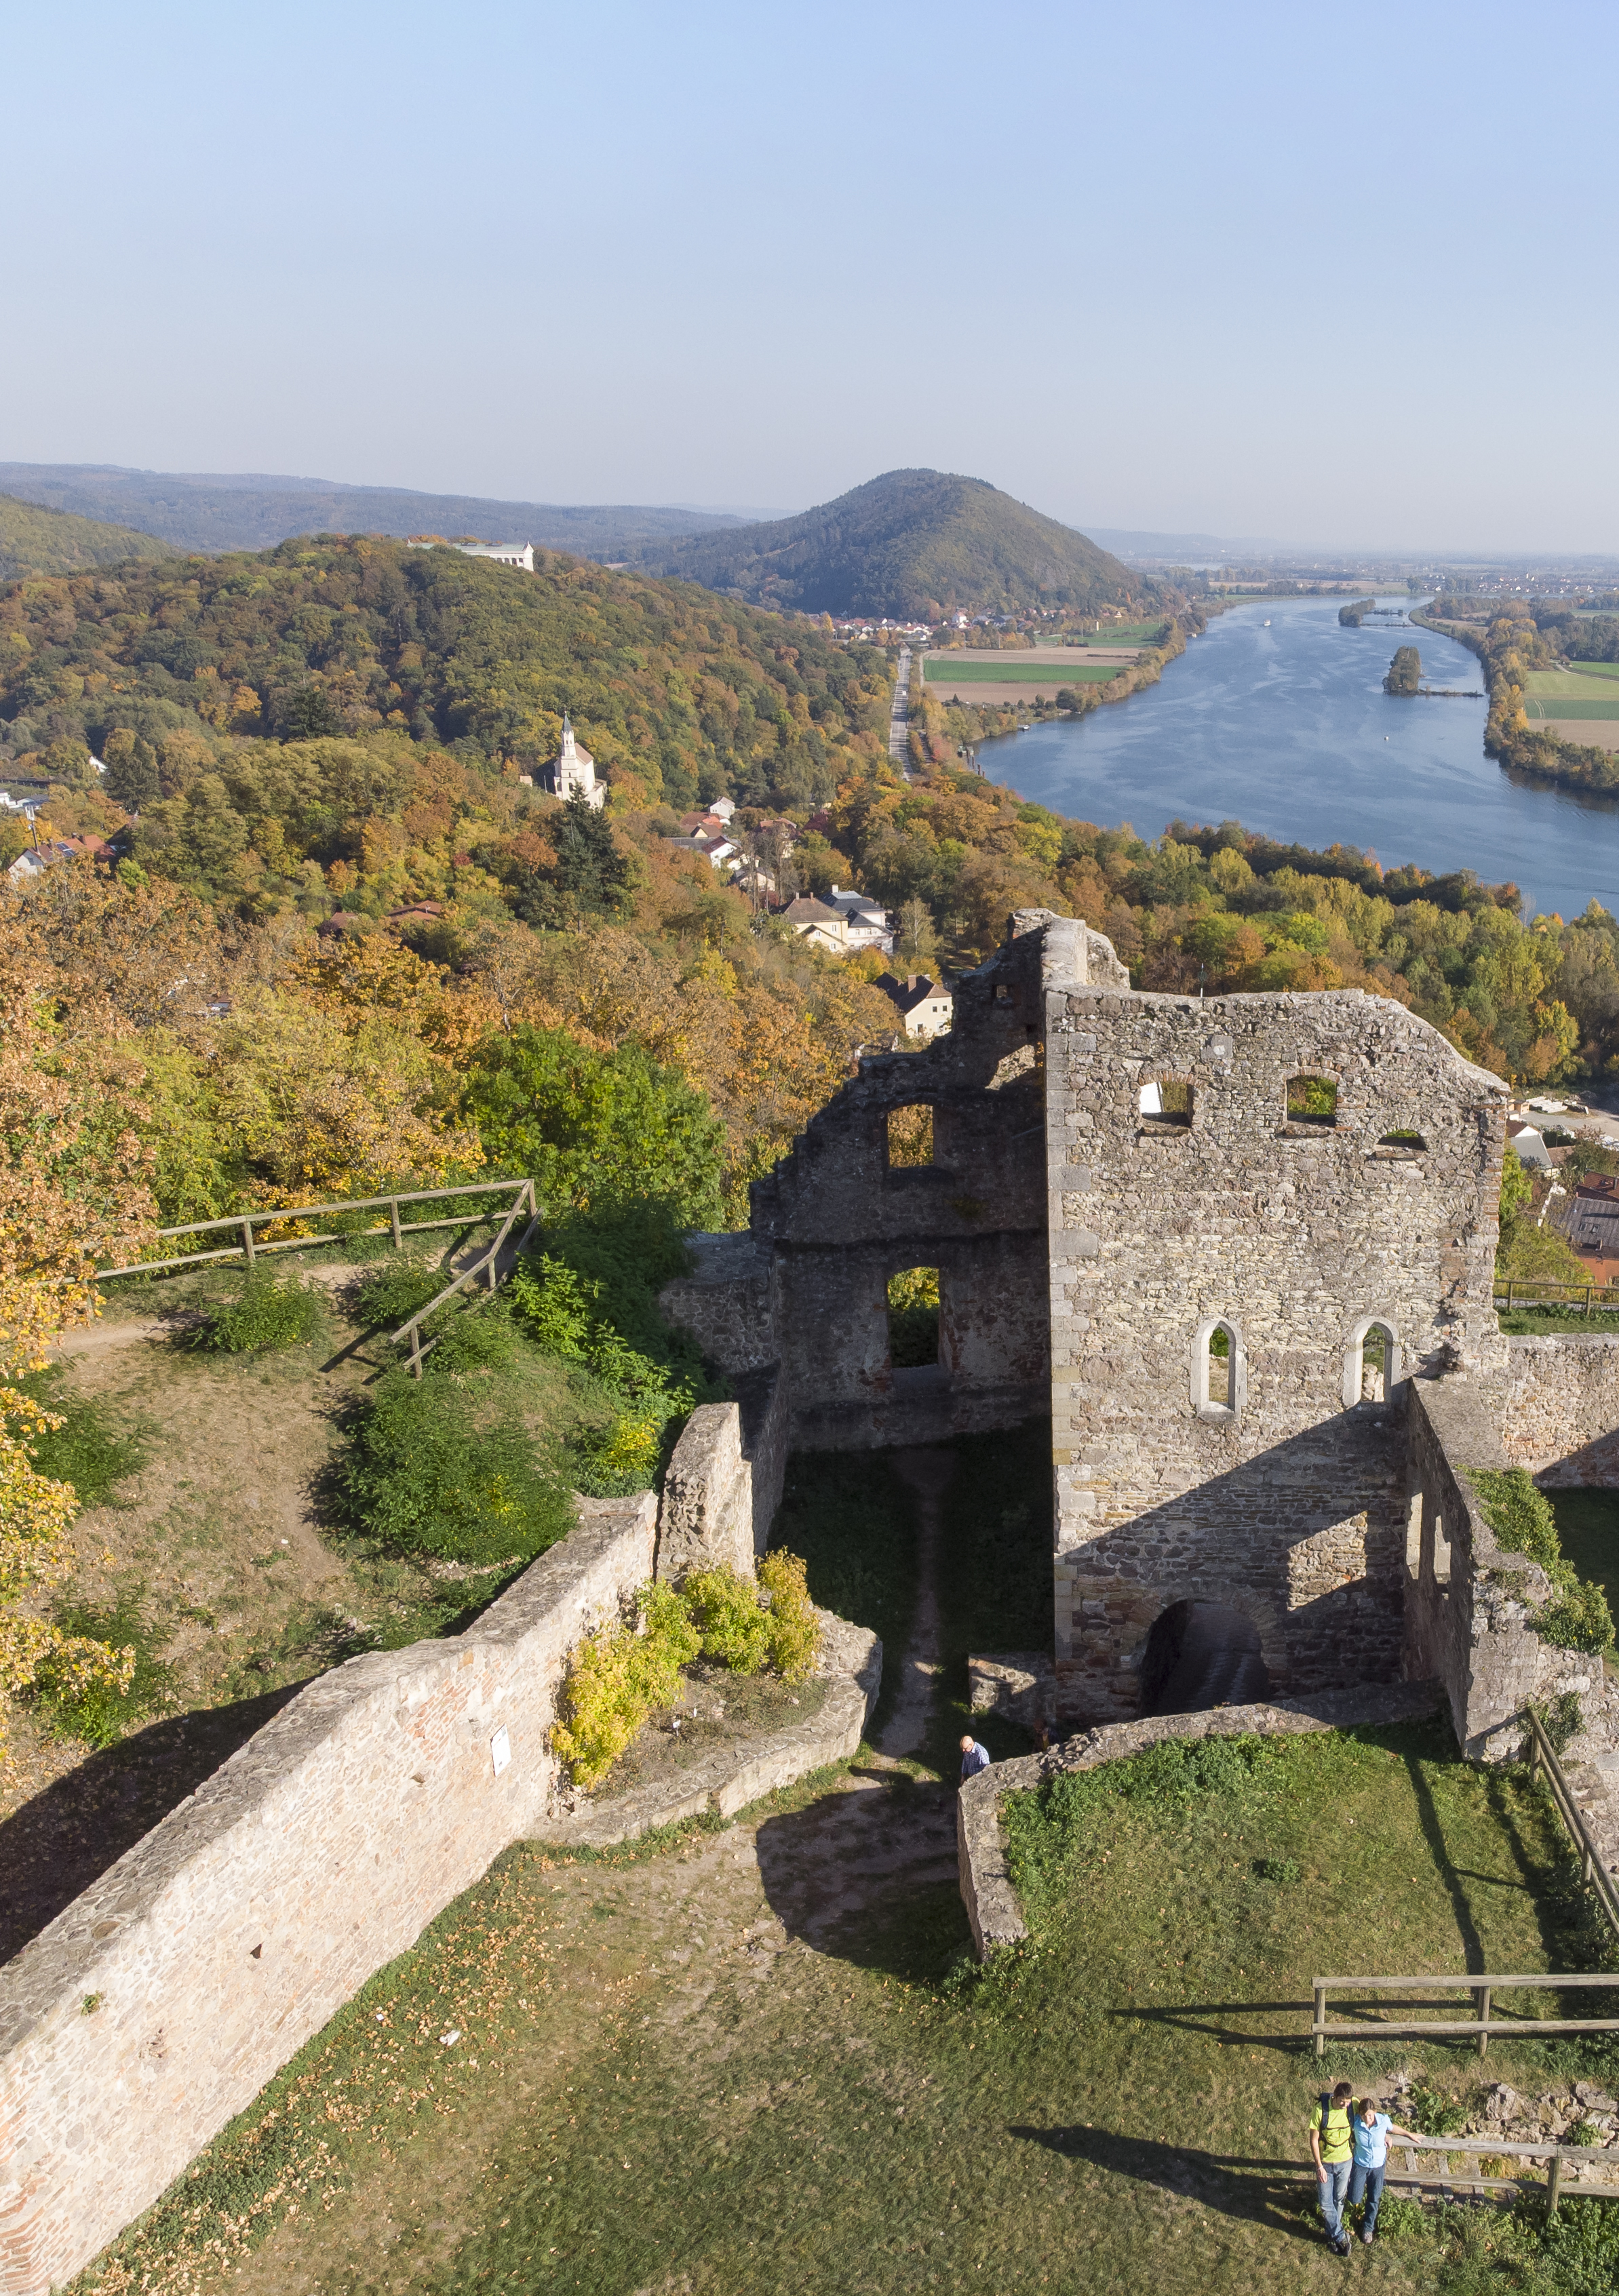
x: 1243, y: 1250
x: 1240, y: 1249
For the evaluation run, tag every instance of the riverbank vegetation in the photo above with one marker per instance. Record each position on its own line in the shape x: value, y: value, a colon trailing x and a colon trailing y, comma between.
x: 1404, y: 672
x: 940, y: 728
x: 1518, y: 642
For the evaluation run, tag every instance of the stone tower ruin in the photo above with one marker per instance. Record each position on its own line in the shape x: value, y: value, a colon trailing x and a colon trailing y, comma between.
x: 1213, y: 1236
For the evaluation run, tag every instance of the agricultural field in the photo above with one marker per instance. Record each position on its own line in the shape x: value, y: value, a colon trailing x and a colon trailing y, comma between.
x: 946, y: 670
x: 1581, y: 704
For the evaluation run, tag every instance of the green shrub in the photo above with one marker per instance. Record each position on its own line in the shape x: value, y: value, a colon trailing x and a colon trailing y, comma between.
x: 1562, y: 1720
x: 618, y: 1677
x: 795, y: 1631
x: 1401, y: 2219
x: 395, y: 1292
x: 1577, y: 1618
x: 734, y: 1625
x: 267, y: 1313
x: 592, y: 1301
x: 1435, y: 2113
x: 431, y: 1469
x: 98, y: 1712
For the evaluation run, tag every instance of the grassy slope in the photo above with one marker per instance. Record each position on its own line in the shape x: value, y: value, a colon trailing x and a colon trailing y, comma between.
x: 1587, y: 1528
x: 658, y: 2088
x: 909, y: 543
x: 34, y: 541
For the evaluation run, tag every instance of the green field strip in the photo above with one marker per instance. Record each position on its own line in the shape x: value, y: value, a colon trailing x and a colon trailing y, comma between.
x: 1023, y: 673
x: 1546, y: 684
x: 1597, y: 712
x: 1596, y: 669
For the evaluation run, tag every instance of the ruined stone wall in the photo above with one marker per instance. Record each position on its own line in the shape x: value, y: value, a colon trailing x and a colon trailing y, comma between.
x: 1470, y: 1603
x: 808, y: 1286
x: 1561, y: 1412
x: 725, y: 1481
x: 216, y: 1947
x: 1285, y: 1501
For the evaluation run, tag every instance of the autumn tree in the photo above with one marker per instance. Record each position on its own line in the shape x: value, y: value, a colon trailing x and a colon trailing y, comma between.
x: 72, y: 1189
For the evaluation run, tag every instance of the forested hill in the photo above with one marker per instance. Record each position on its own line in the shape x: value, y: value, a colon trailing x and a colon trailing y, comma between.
x: 195, y: 511
x: 679, y: 696
x: 912, y: 543
x: 34, y: 541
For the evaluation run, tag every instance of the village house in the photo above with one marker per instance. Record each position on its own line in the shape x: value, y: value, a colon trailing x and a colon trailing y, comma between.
x: 823, y: 927
x: 925, y: 1006
x: 866, y: 920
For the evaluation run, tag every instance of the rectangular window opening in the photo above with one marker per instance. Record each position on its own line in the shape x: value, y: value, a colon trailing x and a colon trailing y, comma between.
x: 912, y: 1319
x: 1313, y: 1100
x: 1165, y: 1104
x: 910, y: 1136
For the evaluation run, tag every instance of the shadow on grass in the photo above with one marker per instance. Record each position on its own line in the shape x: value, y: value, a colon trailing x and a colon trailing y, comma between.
x: 67, y: 1837
x: 870, y: 1879
x: 1455, y: 1881
x: 1269, y: 2192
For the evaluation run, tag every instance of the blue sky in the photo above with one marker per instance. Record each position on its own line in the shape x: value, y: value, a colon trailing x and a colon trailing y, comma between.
x: 1332, y: 275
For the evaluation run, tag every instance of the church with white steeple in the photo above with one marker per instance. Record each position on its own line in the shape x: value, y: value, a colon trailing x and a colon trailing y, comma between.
x: 572, y: 773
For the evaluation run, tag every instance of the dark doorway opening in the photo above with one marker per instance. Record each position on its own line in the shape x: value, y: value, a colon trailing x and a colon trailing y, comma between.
x: 1202, y: 1654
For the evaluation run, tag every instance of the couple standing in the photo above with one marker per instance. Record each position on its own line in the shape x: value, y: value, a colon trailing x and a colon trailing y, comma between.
x: 1349, y: 2143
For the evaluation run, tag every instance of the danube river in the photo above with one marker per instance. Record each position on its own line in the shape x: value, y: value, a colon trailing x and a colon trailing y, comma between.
x: 1276, y: 717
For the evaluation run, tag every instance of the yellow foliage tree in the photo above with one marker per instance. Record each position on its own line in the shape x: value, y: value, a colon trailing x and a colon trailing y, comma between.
x: 71, y: 1188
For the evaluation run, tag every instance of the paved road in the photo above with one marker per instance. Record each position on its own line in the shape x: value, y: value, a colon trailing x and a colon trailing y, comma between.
x: 899, y: 738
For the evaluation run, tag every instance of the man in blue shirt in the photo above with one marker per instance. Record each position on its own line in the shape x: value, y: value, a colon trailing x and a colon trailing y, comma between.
x: 1370, y: 2130
x: 973, y: 1758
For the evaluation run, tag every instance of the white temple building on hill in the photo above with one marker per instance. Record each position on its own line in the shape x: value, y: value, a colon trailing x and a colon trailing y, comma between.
x: 572, y: 773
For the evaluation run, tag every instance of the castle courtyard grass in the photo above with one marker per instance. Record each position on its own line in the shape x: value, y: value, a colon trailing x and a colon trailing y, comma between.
x: 758, y: 2058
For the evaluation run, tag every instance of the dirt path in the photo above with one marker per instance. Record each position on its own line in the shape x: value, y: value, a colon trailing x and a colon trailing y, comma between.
x: 925, y: 1471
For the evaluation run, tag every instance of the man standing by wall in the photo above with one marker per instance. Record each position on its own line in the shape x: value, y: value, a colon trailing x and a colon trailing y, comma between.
x: 1332, y: 2147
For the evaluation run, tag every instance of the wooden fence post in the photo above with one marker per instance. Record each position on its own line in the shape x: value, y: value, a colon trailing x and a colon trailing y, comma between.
x: 416, y: 1352
x: 393, y: 1207
x: 1553, y: 2184
x: 1480, y: 2003
x: 247, y: 1240
x: 1320, y: 2020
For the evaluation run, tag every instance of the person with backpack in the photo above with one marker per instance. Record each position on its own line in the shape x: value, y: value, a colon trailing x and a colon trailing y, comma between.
x: 1370, y: 2131
x: 1332, y: 2146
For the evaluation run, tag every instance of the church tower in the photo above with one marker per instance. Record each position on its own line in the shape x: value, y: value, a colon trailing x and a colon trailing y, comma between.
x: 573, y: 772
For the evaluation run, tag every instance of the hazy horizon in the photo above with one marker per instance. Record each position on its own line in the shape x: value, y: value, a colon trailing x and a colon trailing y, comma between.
x: 1269, y: 273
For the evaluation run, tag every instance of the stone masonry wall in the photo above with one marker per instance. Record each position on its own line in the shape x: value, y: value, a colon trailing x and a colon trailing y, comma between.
x: 228, y: 1935
x: 1287, y: 1502
x: 1561, y: 1412
x: 1470, y: 1603
x: 725, y: 1481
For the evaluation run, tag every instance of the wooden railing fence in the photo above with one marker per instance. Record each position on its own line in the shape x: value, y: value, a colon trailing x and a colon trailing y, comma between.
x: 487, y: 1265
x: 1498, y: 2148
x: 1480, y: 2026
x: 245, y: 1223
x: 1593, y: 1299
x: 1543, y: 1761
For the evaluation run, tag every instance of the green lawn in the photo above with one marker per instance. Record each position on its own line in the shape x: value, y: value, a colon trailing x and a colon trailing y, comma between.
x: 1573, y: 685
x: 1588, y: 1530
x: 1541, y: 708
x: 762, y: 2063
x: 1052, y: 674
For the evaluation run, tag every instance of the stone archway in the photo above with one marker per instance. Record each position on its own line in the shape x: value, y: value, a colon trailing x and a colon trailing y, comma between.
x: 1202, y: 1654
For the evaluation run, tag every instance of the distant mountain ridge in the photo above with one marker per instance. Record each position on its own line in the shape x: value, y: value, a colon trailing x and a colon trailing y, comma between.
x: 254, y: 511
x: 37, y: 541
x: 911, y: 543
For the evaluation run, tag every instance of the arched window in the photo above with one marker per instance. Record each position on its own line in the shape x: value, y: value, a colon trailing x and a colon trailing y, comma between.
x: 912, y: 1319
x: 1312, y: 1100
x: 910, y: 1136
x: 1372, y: 1368
x: 1219, y: 1371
